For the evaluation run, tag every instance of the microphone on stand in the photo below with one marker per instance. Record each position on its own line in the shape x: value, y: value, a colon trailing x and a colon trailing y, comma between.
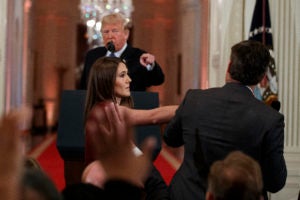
x: 276, y: 105
x: 111, y: 47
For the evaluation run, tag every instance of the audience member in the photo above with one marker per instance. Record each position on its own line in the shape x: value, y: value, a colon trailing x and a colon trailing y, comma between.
x: 143, y: 69
x: 238, y: 176
x: 38, y: 186
x: 83, y: 191
x: 35, y: 183
x: 17, y: 175
x: 112, y: 141
x: 109, y: 81
x: 11, y: 156
x: 12, y: 148
x: 94, y: 174
x: 213, y: 122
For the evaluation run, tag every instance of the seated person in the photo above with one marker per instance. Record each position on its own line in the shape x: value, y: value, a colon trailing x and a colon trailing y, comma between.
x: 238, y: 176
x: 37, y: 185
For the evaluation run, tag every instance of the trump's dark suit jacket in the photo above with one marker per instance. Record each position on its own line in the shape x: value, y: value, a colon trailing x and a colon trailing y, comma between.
x: 211, y: 123
x: 141, y: 77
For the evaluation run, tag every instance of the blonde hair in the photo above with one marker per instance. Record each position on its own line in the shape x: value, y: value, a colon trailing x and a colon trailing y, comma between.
x: 115, y: 18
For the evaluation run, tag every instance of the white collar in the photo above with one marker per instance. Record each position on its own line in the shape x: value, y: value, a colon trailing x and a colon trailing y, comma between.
x: 250, y: 89
x: 118, y: 53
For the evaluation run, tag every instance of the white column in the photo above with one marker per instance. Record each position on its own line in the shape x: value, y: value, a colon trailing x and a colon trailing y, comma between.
x: 286, y: 32
x: 286, y: 39
x: 14, y: 55
x: 3, y: 21
x: 190, y: 40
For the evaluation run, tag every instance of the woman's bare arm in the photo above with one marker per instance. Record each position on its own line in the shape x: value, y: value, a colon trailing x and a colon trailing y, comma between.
x: 158, y: 115
x: 111, y: 137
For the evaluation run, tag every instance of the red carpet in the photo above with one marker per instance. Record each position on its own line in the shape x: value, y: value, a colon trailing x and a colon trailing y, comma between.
x: 53, y: 165
x: 166, y: 170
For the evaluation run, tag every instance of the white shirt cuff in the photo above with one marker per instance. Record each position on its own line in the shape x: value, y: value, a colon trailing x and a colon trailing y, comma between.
x: 150, y: 66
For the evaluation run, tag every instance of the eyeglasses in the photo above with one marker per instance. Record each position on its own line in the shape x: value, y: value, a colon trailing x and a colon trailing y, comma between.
x: 114, y: 31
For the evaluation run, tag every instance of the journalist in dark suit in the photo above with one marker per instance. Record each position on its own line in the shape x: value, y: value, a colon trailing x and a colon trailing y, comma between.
x: 213, y: 122
x: 144, y: 71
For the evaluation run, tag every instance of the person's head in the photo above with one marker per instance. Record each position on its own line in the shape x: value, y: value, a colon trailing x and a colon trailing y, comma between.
x: 238, y: 176
x: 94, y: 174
x: 249, y: 61
x: 37, y: 185
x: 114, y: 28
x: 108, y: 80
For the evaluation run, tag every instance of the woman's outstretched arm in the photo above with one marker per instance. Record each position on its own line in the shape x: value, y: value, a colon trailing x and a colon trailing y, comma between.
x: 158, y: 115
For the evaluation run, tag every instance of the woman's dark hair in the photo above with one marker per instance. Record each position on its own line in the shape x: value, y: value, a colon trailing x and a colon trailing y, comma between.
x: 101, y: 83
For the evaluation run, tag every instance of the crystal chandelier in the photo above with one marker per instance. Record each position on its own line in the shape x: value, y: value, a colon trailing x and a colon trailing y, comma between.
x: 92, y: 12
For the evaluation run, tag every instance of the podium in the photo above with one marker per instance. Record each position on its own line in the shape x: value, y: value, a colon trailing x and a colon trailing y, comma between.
x: 147, y: 100
x: 70, y: 130
x: 70, y: 134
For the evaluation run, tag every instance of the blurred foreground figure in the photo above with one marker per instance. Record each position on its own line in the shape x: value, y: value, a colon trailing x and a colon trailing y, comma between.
x: 238, y: 176
x: 12, y: 152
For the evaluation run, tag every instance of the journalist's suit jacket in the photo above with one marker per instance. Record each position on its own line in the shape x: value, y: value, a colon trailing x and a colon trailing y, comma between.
x: 141, y: 77
x: 211, y: 123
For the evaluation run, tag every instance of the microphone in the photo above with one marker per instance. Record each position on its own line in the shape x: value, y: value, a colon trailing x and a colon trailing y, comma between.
x: 110, y: 46
x: 276, y: 105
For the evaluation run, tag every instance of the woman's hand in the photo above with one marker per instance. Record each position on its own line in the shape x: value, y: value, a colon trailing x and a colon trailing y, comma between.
x: 112, y: 142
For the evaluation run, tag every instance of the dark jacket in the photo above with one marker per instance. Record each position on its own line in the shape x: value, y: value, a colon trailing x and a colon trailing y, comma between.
x: 211, y: 123
x: 141, y: 77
